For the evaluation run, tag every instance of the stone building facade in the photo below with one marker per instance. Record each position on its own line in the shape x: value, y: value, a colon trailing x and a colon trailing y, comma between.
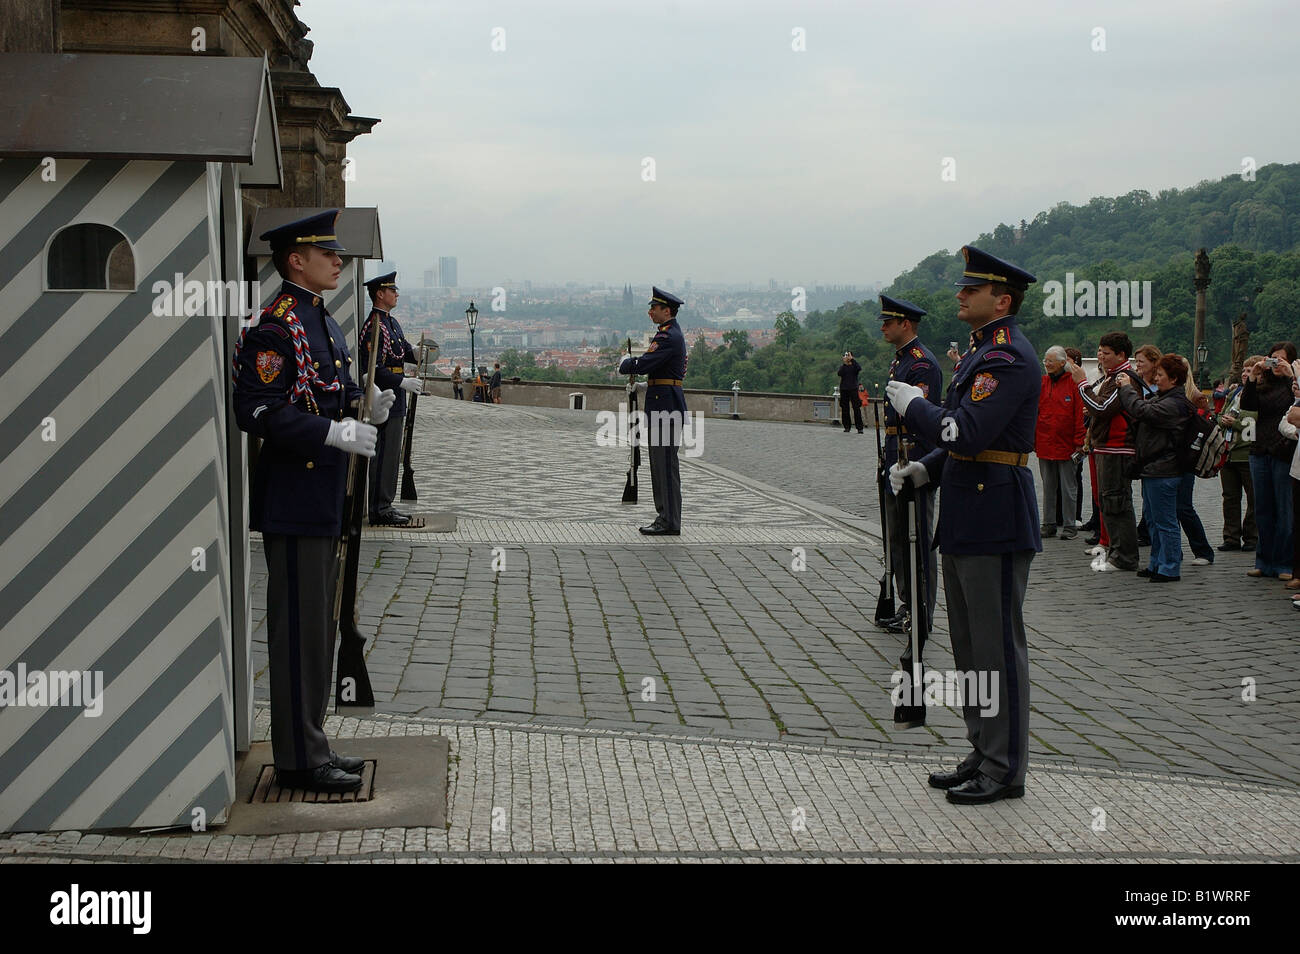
x: 314, y: 121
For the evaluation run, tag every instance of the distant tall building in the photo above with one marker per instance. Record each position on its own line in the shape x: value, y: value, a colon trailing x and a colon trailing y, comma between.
x: 627, y: 295
x: 447, y: 271
x: 428, y: 278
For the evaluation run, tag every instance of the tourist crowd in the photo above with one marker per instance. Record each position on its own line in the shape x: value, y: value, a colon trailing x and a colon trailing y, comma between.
x: 1142, y: 419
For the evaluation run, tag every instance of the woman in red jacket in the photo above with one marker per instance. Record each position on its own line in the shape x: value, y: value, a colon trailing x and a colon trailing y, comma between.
x: 1058, y: 436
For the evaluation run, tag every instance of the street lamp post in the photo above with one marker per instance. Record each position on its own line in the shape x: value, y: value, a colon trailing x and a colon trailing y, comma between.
x: 1201, y: 281
x: 735, y: 400
x: 471, y: 318
x: 1202, y: 356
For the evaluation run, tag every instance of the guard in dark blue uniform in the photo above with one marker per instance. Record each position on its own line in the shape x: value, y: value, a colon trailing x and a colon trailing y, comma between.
x: 390, y: 374
x: 914, y: 364
x: 664, y: 364
x: 988, y: 518
x: 293, y: 388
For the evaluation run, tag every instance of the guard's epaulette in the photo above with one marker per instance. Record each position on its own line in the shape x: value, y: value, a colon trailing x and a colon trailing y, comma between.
x: 281, y: 306
x: 275, y: 313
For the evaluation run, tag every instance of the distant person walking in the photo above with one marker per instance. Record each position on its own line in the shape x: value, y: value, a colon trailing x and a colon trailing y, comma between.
x: 848, y: 371
x: 494, y: 385
x: 457, y: 391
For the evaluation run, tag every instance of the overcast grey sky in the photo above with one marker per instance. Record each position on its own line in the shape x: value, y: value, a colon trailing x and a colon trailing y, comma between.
x: 809, y: 167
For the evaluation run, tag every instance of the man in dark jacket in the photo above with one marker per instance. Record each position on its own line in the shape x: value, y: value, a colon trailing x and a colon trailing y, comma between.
x: 848, y: 372
x: 1268, y: 391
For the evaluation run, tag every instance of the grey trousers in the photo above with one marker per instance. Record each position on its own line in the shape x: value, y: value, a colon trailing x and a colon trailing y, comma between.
x: 300, y: 643
x: 1235, y: 477
x: 383, y: 466
x: 1115, y: 492
x: 666, y: 482
x: 1059, y: 476
x: 986, y: 597
x: 896, y: 514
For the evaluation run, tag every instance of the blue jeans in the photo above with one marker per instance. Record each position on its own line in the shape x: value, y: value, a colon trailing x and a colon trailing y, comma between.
x: 1191, y: 521
x: 1160, y: 504
x: 1272, y: 479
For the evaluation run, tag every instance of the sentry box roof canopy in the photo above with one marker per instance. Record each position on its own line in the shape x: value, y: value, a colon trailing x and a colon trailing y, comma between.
x: 357, y: 229
x: 109, y: 106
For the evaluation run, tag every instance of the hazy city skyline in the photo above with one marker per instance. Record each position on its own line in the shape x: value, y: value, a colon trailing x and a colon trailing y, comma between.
x: 819, y: 166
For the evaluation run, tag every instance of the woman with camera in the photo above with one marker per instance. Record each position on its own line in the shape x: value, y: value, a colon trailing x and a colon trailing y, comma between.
x: 1161, y: 422
x: 1268, y: 391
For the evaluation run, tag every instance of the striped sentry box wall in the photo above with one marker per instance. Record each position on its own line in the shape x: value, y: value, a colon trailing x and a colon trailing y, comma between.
x: 114, y: 532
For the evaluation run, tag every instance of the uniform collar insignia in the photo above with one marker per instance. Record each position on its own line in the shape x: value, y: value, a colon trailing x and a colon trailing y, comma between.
x: 989, y: 326
x: 310, y: 295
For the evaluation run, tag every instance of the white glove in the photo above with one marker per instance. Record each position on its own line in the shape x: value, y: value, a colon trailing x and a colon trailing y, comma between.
x: 915, y: 470
x: 901, y: 395
x: 381, y: 402
x: 642, y: 387
x: 411, y: 385
x: 353, y: 437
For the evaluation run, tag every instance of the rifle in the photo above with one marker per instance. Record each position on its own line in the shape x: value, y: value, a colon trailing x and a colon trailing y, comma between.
x: 885, y: 601
x: 633, y: 436
x: 408, y: 476
x: 352, y: 660
x: 911, y: 714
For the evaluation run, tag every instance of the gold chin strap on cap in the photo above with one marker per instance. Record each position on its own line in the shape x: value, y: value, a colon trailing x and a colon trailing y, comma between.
x: 313, y: 239
x: 987, y: 276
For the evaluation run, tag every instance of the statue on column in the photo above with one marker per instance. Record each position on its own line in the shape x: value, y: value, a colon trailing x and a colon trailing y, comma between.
x: 1202, y: 267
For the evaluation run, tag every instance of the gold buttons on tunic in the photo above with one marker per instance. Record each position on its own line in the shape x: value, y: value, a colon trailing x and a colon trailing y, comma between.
x: 315, y: 364
x: 310, y: 464
x: 979, y: 488
x: 338, y: 363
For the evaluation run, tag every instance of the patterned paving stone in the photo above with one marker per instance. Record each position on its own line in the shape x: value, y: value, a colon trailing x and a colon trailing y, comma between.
x: 740, y: 643
x: 540, y: 793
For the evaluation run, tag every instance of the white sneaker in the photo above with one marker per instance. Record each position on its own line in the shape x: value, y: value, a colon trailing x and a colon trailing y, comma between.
x: 1096, y: 551
x: 1097, y: 561
x: 1201, y: 561
x: 1104, y: 565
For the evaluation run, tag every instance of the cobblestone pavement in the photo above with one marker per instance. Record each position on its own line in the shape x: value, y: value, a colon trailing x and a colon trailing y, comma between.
x: 546, y: 794
x: 733, y: 641
x: 682, y: 698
